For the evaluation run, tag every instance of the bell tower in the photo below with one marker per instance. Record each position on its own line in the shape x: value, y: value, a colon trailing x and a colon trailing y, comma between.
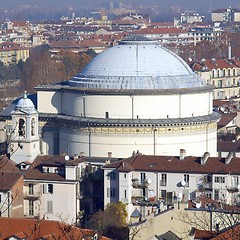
x: 24, y: 143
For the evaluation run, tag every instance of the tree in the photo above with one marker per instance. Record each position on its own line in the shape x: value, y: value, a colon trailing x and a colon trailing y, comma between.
x: 40, y: 69
x: 111, y: 222
x: 216, y: 218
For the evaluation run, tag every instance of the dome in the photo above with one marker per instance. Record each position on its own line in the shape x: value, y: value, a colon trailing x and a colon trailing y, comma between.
x: 137, y: 63
x: 25, y: 104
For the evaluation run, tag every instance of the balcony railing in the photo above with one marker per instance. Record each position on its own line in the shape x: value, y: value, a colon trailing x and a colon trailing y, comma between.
x: 136, y: 183
x: 31, y: 195
x: 163, y: 183
x: 143, y: 201
x: 232, y: 188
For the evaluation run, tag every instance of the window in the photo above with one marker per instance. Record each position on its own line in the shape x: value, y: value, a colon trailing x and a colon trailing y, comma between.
x: 216, y: 194
x: 219, y: 179
x: 186, y: 179
x: 48, y: 188
x: 111, y: 192
x: 163, y: 194
x: 21, y: 127
x: 163, y: 181
x: 143, y: 177
x: 0, y: 198
x: 112, y: 175
x: 125, y: 193
x: 49, y: 207
x: 33, y: 127
x: 106, y: 114
x: 30, y: 190
x: 125, y: 175
x: 219, y: 83
x: 30, y: 207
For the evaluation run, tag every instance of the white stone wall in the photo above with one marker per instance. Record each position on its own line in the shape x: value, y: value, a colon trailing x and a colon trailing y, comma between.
x: 123, y: 144
x: 49, y: 102
x: 152, y: 106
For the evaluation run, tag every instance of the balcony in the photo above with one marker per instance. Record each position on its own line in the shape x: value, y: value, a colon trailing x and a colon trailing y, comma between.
x: 143, y: 201
x: 204, y: 183
x: 35, y: 216
x: 136, y: 183
x: 232, y: 188
x: 163, y: 183
x: 31, y: 195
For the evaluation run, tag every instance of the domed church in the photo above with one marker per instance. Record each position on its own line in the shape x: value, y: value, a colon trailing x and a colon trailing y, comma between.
x: 136, y: 96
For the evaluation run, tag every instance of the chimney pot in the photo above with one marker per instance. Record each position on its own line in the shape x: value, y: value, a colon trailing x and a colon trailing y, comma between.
x: 182, y: 154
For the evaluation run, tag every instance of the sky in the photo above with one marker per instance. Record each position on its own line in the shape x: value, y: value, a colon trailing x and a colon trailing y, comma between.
x: 193, y: 4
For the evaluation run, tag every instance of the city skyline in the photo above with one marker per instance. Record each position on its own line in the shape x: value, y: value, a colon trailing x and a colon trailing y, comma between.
x: 205, y: 5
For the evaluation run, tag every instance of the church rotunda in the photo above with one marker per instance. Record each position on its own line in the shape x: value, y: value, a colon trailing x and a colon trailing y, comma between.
x: 136, y: 96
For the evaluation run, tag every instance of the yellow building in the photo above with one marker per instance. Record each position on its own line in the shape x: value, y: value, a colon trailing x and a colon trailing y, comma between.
x: 11, y: 53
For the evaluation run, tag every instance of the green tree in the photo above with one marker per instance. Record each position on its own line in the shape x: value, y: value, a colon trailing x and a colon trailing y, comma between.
x: 111, y: 222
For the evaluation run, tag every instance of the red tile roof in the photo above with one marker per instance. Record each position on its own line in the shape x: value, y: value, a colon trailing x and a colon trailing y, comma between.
x: 9, y: 173
x: 36, y: 229
x: 35, y: 170
x: 231, y: 233
x: 173, y: 164
x: 217, y: 64
x: 160, y: 30
x: 227, y: 146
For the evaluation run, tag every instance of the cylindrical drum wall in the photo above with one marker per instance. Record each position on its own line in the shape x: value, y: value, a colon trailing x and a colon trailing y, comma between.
x: 97, y: 142
x: 138, y: 106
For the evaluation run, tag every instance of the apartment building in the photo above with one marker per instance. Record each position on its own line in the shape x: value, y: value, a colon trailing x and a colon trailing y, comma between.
x: 152, y: 184
x: 48, y: 192
x: 11, y: 53
x: 226, y: 15
x: 224, y: 74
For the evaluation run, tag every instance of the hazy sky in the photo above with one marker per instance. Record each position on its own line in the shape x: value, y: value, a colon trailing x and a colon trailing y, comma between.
x: 194, y: 4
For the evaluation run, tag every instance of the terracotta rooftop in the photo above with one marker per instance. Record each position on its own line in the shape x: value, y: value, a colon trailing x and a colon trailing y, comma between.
x: 214, y: 64
x: 148, y: 163
x: 9, y: 173
x: 35, y: 170
x: 160, y: 31
x: 227, y: 146
x: 42, y: 229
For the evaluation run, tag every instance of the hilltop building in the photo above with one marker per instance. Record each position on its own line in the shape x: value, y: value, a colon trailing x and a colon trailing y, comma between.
x: 226, y: 15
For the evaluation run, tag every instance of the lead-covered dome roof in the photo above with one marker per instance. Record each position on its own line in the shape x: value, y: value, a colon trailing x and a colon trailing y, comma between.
x: 25, y: 104
x: 137, y: 63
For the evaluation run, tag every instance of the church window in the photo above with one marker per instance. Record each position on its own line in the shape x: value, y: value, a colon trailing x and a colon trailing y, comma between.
x: 33, y: 127
x: 21, y: 127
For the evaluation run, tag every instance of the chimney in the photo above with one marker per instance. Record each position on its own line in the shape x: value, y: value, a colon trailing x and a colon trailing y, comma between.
x: 182, y: 154
x: 229, y: 158
x: 229, y: 51
x: 205, y: 157
x: 109, y: 154
x: 81, y: 154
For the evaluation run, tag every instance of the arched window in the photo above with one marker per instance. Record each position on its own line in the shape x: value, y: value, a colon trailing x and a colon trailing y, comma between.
x: 223, y: 73
x: 229, y: 72
x: 33, y: 127
x: 234, y: 72
x: 21, y: 127
x: 106, y: 114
